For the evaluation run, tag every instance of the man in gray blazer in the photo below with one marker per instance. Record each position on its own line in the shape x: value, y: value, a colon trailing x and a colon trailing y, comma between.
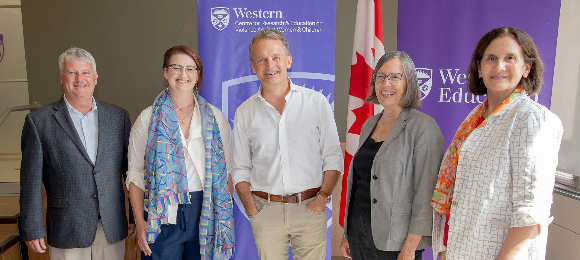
x: 77, y: 147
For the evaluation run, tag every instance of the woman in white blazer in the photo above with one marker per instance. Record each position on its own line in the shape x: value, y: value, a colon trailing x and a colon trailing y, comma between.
x: 494, y: 192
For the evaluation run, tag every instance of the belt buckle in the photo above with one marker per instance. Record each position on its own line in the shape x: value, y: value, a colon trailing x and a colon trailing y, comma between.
x: 285, y: 198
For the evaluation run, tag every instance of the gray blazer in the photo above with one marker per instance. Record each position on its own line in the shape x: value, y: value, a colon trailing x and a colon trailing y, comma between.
x: 77, y: 190
x: 406, y: 169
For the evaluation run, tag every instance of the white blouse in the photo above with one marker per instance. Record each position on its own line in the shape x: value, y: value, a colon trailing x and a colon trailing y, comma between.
x: 194, y: 152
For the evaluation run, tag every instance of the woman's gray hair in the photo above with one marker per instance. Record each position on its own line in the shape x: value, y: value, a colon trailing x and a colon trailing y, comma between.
x: 412, y: 96
x: 270, y: 34
x: 78, y: 54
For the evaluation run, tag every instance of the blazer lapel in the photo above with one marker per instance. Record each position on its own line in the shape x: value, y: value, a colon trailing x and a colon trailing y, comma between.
x: 103, y: 129
x: 396, y: 130
x: 63, y: 118
x: 365, y: 133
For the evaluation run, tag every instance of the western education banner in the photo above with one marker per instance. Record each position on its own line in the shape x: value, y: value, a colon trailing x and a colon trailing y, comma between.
x: 440, y: 37
x: 225, y: 31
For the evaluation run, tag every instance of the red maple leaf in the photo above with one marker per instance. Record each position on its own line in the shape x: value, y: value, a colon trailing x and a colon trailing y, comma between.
x: 360, y: 78
x: 359, y: 87
x: 362, y: 114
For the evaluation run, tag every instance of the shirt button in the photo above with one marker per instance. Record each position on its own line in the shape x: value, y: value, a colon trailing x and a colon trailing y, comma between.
x: 374, y: 201
x: 454, y: 203
x: 284, y: 161
x: 95, y: 172
x: 94, y: 196
x: 375, y: 177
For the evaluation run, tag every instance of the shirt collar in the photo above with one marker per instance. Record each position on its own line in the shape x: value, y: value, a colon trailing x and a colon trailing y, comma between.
x: 69, y: 107
x: 293, y: 88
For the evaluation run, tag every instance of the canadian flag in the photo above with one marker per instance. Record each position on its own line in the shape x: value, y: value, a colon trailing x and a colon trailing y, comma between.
x: 368, y: 48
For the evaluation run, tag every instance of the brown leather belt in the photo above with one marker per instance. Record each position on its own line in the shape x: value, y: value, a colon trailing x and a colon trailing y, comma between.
x: 292, y: 198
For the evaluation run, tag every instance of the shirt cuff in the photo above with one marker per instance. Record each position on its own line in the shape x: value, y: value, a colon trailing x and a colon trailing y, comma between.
x: 336, y: 164
x: 172, y: 213
x: 136, y: 178
x: 421, y: 222
x: 240, y: 176
x: 525, y: 217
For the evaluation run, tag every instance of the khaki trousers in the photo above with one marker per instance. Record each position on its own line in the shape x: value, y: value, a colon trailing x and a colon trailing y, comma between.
x: 278, y: 226
x: 99, y: 250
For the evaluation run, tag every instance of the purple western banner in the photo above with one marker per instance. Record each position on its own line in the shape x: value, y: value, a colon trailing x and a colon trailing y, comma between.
x: 225, y: 31
x: 440, y: 37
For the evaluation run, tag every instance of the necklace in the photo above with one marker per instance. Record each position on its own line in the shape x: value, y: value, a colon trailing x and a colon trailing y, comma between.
x: 182, y: 120
x: 182, y: 108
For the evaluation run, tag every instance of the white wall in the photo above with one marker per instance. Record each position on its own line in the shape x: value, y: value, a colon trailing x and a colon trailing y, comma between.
x: 566, y: 90
x: 564, y: 232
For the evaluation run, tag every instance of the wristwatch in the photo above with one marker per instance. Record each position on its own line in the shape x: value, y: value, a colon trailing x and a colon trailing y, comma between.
x: 325, y: 194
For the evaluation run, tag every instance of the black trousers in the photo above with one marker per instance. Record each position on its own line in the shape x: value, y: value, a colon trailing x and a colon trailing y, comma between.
x: 360, y: 240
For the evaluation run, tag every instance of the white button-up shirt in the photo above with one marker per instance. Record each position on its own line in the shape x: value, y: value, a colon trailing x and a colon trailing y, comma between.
x: 285, y: 153
x: 194, y: 152
x: 87, y: 127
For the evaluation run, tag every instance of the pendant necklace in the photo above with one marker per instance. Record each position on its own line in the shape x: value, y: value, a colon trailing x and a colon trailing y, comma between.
x: 182, y: 120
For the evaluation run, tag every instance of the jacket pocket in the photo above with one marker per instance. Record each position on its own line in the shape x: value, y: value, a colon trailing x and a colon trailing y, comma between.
x: 400, y: 218
x: 499, y: 223
x: 57, y: 202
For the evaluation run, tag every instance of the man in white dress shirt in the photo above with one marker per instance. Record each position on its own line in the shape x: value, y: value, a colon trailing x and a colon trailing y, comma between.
x: 287, y: 156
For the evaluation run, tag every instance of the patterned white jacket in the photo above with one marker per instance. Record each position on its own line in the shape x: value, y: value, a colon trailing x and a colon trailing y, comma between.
x: 505, y: 178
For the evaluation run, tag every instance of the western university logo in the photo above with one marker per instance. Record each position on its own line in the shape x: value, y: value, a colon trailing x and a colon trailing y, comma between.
x: 1, y: 47
x: 424, y: 76
x: 220, y: 17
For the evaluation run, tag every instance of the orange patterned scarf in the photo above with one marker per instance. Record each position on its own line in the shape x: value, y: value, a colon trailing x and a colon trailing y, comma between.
x: 443, y: 194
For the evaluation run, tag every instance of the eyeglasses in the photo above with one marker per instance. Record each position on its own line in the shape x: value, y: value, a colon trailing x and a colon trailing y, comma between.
x: 394, y: 78
x: 176, y: 69
x: 492, y: 59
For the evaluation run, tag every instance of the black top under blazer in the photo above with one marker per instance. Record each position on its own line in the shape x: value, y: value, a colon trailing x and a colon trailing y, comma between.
x: 77, y: 190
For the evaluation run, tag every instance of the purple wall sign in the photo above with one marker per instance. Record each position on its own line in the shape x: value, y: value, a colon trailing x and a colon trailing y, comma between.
x: 440, y: 37
x: 225, y: 31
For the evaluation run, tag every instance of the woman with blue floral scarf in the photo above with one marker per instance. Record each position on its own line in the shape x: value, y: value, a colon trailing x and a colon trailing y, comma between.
x: 178, y: 176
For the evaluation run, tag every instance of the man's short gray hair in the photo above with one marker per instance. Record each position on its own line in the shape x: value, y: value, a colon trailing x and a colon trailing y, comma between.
x: 73, y: 54
x: 270, y: 34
